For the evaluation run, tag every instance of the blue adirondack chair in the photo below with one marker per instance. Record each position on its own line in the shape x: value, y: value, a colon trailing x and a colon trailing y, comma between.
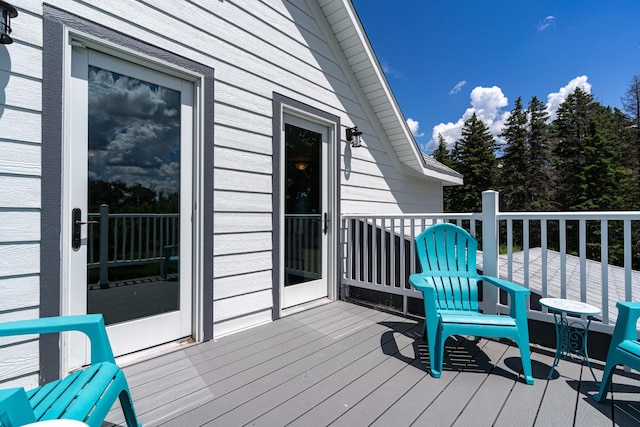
x: 86, y: 395
x: 449, y: 285
x: 624, y: 348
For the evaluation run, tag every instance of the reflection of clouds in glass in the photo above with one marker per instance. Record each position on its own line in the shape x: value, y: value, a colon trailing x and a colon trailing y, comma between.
x: 134, y: 131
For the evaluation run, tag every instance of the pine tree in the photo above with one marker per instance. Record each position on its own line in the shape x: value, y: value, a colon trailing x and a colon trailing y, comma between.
x: 515, y: 161
x: 631, y: 105
x: 571, y: 130
x: 443, y: 155
x: 474, y: 157
x: 540, y: 174
x: 589, y: 156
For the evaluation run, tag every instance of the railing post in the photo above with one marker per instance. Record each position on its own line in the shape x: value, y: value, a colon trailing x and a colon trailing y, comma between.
x: 490, y: 244
x: 104, y: 246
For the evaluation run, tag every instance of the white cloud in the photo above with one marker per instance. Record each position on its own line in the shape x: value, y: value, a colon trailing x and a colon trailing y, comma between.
x: 414, y: 125
x: 458, y: 87
x: 487, y: 103
x: 556, y: 98
x: 546, y: 22
x: 390, y: 71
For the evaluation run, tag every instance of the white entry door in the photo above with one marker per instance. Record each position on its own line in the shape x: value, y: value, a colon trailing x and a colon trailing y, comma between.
x: 127, y: 203
x: 306, y: 221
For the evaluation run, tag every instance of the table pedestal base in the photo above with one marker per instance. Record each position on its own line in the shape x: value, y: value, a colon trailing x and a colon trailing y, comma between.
x: 571, y: 341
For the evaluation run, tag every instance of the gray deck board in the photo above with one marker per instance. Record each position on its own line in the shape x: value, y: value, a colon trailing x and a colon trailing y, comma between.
x: 342, y: 364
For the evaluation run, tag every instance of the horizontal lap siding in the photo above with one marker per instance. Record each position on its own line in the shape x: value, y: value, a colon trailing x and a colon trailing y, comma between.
x: 20, y: 183
x: 255, y: 48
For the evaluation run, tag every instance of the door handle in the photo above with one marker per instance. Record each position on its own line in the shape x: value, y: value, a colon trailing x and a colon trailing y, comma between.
x: 76, y: 227
x: 325, y: 223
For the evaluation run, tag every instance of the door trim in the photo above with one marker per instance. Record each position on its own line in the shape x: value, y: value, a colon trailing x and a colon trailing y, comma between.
x: 58, y: 27
x: 283, y: 104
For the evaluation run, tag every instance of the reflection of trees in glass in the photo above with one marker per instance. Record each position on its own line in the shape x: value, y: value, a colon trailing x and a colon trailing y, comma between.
x: 123, y: 198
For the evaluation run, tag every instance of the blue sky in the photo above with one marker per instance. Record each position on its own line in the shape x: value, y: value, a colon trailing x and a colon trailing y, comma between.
x: 445, y: 59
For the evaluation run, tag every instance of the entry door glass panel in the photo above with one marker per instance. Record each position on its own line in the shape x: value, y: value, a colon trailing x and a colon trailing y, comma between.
x: 303, y: 205
x: 305, y: 188
x: 129, y: 181
x: 134, y: 129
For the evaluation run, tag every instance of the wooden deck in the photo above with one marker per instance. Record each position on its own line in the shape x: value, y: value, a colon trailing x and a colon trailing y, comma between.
x: 347, y: 365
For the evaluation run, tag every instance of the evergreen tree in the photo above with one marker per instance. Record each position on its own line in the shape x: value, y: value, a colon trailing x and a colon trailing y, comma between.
x: 589, y: 159
x: 540, y: 174
x: 631, y: 105
x: 515, y: 161
x: 474, y: 157
x: 571, y: 130
x: 624, y: 134
x: 443, y: 155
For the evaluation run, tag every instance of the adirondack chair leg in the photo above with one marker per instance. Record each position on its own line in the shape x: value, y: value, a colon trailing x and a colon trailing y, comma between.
x: 436, y: 349
x: 127, y: 408
x: 605, y: 384
x: 438, y: 356
x: 525, y: 357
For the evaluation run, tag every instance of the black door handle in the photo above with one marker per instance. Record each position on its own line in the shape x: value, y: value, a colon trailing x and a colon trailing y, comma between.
x: 76, y: 227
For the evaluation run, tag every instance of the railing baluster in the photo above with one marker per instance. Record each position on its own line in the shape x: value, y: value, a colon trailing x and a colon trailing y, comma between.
x: 604, y: 263
x: 383, y: 251
x: 543, y: 244
x: 510, y: 249
x: 375, y: 257
x: 583, y: 259
x: 525, y: 248
x: 358, y: 251
x: 392, y: 253
x: 563, y: 258
x: 402, y: 262
x: 628, y: 256
x: 365, y: 251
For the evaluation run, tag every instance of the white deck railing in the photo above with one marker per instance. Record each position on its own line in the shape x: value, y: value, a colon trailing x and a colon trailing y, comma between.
x: 379, y: 254
x: 117, y: 239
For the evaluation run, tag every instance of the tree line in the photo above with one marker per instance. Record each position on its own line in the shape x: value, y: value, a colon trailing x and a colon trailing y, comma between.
x: 587, y: 158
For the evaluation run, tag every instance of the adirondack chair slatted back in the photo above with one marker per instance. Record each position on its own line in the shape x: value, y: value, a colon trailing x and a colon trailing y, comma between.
x: 448, y: 255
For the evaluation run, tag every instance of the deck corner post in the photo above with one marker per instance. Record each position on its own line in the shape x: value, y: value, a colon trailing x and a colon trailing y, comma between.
x: 490, y: 244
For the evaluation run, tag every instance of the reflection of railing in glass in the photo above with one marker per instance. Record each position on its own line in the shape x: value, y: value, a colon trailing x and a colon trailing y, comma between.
x: 303, y: 244
x: 129, y: 239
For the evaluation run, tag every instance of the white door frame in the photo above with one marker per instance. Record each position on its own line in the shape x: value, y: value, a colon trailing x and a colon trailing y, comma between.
x: 193, y: 217
x: 331, y: 170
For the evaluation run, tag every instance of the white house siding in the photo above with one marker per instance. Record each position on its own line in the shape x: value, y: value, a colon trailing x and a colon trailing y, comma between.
x: 256, y: 48
x: 20, y: 166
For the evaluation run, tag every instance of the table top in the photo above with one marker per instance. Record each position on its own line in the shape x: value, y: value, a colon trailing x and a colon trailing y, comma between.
x: 570, y: 306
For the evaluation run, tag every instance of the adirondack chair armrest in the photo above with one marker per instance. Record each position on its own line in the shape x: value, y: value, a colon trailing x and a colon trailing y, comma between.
x: 15, y: 409
x: 628, y: 315
x: 516, y: 292
x: 505, y: 285
x: 424, y: 283
x: 91, y: 325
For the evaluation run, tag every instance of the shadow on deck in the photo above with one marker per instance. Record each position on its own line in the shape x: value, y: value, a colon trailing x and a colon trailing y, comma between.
x: 347, y: 365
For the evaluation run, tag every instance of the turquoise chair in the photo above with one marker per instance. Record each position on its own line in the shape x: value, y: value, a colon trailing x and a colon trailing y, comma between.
x: 86, y: 395
x: 449, y: 285
x: 624, y: 348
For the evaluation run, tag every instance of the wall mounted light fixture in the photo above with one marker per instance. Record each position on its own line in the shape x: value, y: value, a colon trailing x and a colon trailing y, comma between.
x: 6, y: 13
x: 353, y: 136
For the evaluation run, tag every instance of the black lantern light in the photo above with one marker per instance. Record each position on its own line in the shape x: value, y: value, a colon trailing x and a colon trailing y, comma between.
x: 6, y: 13
x: 353, y: 136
